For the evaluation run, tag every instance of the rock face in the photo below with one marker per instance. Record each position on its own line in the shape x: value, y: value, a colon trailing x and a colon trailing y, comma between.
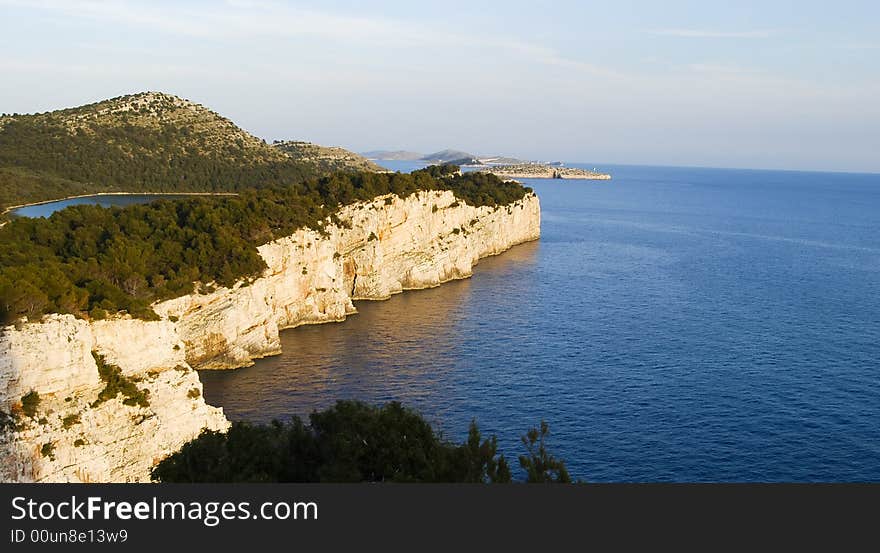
x: 376, y: 249
x: 70, y: 438
x: 381, y: 248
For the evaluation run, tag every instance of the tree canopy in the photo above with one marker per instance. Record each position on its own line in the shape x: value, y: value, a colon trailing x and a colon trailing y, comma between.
x: 349, y: 442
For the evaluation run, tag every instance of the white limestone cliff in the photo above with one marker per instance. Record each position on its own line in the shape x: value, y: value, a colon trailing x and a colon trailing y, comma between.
x: 384, y: 247
x: 70, y: 438
x: 379, y: 248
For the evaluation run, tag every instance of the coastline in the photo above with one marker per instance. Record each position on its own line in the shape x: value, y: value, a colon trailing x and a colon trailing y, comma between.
x: 547, y: 175
x: 383, y: 248
x: 540, y: 172
x: 314, y: 279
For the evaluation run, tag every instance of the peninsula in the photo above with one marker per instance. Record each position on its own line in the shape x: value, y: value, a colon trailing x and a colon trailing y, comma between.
x: 106, y: 313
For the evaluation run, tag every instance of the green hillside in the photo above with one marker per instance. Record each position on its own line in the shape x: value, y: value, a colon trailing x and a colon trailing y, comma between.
x: 327, y: 158
x: 148, y: 142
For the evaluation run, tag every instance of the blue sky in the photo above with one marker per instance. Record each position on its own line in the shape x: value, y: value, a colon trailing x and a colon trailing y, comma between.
x: 792, y: 85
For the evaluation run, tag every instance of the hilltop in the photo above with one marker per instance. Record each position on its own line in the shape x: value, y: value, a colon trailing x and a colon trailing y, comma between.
x: 447, y: 156
x: 146, y: 142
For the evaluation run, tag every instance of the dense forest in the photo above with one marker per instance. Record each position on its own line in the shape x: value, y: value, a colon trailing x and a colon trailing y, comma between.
x: 355, y: 442
x: 93, y: 261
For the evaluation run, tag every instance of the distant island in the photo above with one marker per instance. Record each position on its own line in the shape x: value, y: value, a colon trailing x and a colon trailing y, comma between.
x: 502, y: 166
x: 443, y: 156
x: 542, y: 171
x: 448, y: 156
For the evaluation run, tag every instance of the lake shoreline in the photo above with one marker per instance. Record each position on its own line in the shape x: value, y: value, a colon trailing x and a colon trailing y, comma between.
x: 13, y: 208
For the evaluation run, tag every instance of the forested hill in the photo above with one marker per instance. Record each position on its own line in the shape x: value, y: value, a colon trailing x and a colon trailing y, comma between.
x: 147, y: 142
x: 327, y: 158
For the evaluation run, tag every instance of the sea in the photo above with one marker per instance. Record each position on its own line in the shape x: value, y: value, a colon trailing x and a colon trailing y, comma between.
x: 671, y: 325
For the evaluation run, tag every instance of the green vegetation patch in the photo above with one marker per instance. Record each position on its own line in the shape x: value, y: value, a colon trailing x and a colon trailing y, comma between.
x: 70, y: 420
x: 349, y: 442
x: 29, y: 403
x: 354, y: 442
x: 48, y: 450
x: 117, y: 383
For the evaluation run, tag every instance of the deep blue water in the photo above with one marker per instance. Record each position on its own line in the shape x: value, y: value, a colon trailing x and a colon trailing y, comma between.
x: 671, y: 325
x: 105, y: 200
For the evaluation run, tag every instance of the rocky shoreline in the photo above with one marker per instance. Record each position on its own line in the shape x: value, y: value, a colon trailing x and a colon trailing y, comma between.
x: 540, y: 171
x: 379, y: 248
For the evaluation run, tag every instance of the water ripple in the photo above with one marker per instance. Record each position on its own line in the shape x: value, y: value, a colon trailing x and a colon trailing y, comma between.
x: 673, y: 325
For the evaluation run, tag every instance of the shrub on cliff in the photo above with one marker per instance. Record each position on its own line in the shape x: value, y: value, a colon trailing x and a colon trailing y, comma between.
x: 48, y: 450
x: 117, y: 383
x: 29, y: 403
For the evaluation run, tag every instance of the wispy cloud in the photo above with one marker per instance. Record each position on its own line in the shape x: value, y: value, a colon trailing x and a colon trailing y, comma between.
x: 254, y: 19
x: 235, y: 19
x: 708, y: 33
x: 859, y: 46
x: 722, y: 69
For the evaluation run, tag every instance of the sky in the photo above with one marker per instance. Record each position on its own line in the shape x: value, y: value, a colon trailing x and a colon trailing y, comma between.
x: 756, y: 84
